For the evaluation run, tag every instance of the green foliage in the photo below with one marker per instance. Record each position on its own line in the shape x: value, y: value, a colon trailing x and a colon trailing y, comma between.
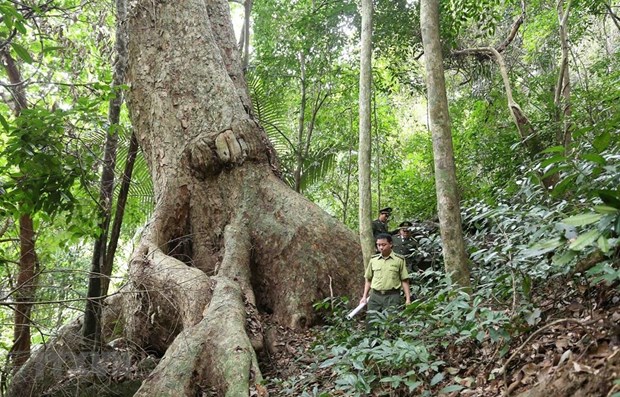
x: 40, y: 171
x: 401, y: 355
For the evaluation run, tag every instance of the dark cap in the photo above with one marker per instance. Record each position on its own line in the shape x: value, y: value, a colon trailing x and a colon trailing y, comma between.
x: 405, y: 224
x: 386, y: 210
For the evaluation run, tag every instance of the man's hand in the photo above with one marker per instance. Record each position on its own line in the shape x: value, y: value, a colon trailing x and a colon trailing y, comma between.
x: 363, y: 300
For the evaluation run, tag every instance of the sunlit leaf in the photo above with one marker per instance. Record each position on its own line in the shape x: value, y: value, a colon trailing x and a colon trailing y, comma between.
x: 451, y: 388
x: 22, y: 52
x: 582, y: 219
x: 542, y: 247
x: 605, y: 209
x: 554, y: 149
x: 603, y: 244
x: 584, y: 240
x: 4, y: 123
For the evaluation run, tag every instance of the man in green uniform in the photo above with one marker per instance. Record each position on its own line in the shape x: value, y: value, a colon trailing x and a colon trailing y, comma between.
x: 379, y: 225
x: 405, y: 245
x: 385, y: 275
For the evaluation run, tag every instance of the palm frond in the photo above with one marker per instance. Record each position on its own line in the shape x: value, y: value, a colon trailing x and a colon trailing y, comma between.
x: 270, y: 113
x: 317, y: 165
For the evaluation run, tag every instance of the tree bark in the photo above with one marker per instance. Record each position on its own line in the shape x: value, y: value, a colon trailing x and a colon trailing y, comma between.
x: 301, y: 123
x: 26, y: 278
x: 365, y: 203
x: 99, y: 272
x: 227, y: 239
x: 24, y: 296
x: 563, y: 86
x: 455, y: 257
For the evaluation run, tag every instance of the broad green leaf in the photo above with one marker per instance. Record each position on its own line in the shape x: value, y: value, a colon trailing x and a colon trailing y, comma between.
x: 52, y: 49
x: 605, y: 209
x: 554, y: 149
x: 561, y: 187
x: 437, y: 378
x: 566, y: 257
x: 552, y: 160
x: 584, y: 240
x: 582, y: 219
x: 4, y: 123
x: 542, y: 247
x: 595, y: 158
x: 603, y: 244
x: 20, y: 27
x: 22, y: 53
x: 602, y: 141
x: 610, y: 197
x: 551, y: 171
x: 451, y: 388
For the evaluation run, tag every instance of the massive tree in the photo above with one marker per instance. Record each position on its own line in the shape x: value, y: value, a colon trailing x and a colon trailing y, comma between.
x: 228, y: 240
x: 227, y: 236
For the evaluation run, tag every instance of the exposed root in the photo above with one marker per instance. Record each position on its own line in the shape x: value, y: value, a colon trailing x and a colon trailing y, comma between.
x: 167, y: 297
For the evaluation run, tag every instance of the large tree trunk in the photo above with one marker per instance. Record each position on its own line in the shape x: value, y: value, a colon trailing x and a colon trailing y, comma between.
x: 455, y: 257
x: 227, y: 237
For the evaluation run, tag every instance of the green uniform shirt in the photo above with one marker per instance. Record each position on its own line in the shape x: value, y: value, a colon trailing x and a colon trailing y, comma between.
x: 386, y: 273
x: 405, y: 247
x: 378, y: 227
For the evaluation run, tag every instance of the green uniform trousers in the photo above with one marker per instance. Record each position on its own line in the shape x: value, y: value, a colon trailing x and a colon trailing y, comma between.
x: 381, y: 302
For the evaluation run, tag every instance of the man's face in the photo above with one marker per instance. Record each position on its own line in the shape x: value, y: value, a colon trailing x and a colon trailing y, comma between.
x: 405, y: 232
x: 384, y: 246
x: 384, y: 216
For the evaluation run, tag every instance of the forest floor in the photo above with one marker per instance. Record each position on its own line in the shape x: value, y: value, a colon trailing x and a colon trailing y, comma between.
x: 574, y: 350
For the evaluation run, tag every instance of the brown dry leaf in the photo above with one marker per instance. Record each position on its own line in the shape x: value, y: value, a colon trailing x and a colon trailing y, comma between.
x: 583, y: 368
x: 561, y: 344
x: 530, y: 369
x: 467, y: 382
x: 601, y: 351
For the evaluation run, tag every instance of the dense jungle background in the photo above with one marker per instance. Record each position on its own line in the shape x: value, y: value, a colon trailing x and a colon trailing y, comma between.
x: 533, y: 90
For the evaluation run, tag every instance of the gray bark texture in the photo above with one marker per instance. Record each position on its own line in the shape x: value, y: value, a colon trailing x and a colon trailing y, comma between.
x: 365, y: 202
x: 455, y: 257
x: 228, y: 240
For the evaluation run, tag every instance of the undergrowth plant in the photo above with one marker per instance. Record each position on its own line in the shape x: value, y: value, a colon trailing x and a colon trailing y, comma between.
x: 406, y: 351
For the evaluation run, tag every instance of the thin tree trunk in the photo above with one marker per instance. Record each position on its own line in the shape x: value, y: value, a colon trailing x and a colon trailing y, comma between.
x: 365, y: 202
x: 301, y: 124
x: 245, y: 36
x: 92, y: 315
x: 455, y: 257
x: 563, y: 86
x: 347, y: 192
x: 24, y: 296
x: 26, y: 278
x: 118, y: 214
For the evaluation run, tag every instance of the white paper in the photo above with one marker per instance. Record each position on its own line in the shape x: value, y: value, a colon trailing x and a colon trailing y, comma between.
x: 356, y: 310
